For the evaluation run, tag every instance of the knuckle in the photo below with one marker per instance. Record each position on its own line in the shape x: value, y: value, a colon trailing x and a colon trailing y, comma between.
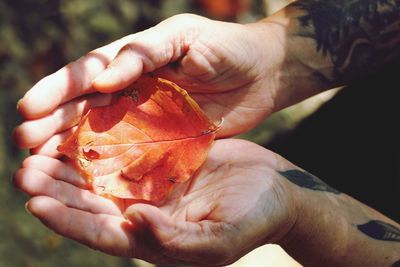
x: 84, y: 198
x: 135, y: 48
x: 30, y: 161
x: 19, y: 136
x: 75, y: 71
x: 184, y: 17
x: 131, y: 46
x: 57, y: 190
x: 145, y: 49
x: 18, y: 177
x: 138, y: 47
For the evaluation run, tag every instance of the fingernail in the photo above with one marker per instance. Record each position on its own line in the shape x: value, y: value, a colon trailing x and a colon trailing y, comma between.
x: 104, y: 76
x: 137, y: 221
x: 134, y: 217
x: 19, y: 103
x: 26, y: 208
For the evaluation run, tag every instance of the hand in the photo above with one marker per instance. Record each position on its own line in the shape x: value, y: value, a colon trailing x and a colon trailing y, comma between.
x: 236, y: 203
x: 229, y: 69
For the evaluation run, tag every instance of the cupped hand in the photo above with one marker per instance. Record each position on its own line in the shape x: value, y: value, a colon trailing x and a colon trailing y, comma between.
x: 227, y: 67
x: 236, y: 203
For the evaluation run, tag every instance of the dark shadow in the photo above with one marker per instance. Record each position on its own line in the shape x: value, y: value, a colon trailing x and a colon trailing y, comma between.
x: 353, y: 142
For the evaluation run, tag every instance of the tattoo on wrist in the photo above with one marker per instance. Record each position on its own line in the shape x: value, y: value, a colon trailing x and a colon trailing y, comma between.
x: 307, y: 180
x: 380, y: 230
x: 396, y: 264
x: 360, y: 36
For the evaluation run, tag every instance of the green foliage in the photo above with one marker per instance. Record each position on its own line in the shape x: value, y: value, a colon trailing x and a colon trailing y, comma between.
x: 36, y: 38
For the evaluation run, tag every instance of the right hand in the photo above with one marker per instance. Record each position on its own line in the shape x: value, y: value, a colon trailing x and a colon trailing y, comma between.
x: 236, y: 202
x: 227, y: 67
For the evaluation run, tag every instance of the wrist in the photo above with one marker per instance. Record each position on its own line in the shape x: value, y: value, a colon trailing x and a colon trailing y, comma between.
x: 298, y: 69
x: 327, y: 231
x: 289, y: 210
x: 319, y: 236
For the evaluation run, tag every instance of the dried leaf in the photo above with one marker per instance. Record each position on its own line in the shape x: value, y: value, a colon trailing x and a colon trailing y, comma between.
x: 150, y: 138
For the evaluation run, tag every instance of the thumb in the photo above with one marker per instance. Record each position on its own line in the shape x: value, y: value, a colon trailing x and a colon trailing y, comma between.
x: 150, y: 217
x: 124, y: 69
x: 148, y: 51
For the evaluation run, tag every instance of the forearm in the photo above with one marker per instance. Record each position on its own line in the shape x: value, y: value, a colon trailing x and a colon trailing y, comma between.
x: 332, y: 42
x: 335, y: 230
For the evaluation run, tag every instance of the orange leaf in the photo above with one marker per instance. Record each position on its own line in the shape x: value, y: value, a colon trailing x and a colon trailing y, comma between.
x: 150, y: 138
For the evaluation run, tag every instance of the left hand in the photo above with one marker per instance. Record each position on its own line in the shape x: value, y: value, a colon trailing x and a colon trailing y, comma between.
x: 236, y: 203
x: 228, y: 68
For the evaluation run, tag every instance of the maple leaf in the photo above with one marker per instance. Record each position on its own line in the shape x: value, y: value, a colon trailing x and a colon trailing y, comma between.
x: 151, y: 137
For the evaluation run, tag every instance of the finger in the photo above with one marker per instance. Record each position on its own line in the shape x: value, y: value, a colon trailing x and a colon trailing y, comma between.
x: 184, y: 241
x: 56, y: 169
x: 34, y: 132
x: 148, y: 215
x: 49, y: 148
x: 155, y: 226
x: 150, y: 50
x: 160, y: 226
x: 98, y: 231
x: 37, y: 183
x: 71, y: 81
x: 123, y: 70
x: 107, y: 233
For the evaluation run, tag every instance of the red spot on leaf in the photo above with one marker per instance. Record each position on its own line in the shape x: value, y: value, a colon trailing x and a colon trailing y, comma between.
x: 150, y: 138
x: 90, y: 154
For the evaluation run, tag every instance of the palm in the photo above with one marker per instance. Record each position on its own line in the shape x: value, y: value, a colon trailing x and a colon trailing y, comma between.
x: 226, y: 78
x: 235, y: 192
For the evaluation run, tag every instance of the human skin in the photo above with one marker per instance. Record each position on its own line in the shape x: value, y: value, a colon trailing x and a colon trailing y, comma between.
x: 242, y: 73
x: 235, y: 203
x: 244, y: 196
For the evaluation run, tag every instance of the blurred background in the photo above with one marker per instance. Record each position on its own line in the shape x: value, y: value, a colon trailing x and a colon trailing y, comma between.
x: 37, y: 38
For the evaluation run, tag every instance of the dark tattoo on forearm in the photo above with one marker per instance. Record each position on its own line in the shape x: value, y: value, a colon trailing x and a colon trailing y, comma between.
x: 396, y: 264
x: 380, y: 230
x: 360, y: 36
x: 307, y: 180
